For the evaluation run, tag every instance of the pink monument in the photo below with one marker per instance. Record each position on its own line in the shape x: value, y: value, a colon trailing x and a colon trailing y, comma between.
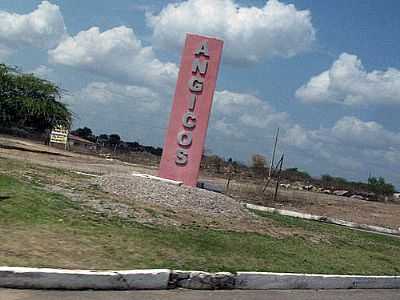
x: 187, y: 129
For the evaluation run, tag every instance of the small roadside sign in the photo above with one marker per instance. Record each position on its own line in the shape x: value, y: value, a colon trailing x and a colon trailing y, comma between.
x: 59, y: 135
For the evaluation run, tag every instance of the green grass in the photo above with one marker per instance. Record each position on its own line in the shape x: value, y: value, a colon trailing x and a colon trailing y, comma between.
x: 43, y: 229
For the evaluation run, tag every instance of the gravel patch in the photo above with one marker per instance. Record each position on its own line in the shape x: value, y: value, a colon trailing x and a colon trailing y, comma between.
x: 187, y: 206
x: 173, y: 197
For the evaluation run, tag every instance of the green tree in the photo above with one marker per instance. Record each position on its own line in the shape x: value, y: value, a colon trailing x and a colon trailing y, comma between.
x: 114, y: 139
x: 28, y: 101
x: 380, y: 187
x: 295, y: 174
x: 85, y: 133
x: 103, y: 138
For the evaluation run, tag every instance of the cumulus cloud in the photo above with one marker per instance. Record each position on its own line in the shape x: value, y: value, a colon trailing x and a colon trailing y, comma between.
x: 42, y: 28
x: 244, y: 124
x: 250, y: 33
x: 351, y: 146
x: 135, y: 112
x: 128, y: 98
x: 370, y: 134
x: 43, y: 72
x: 237, y: 114
x: 347, y: 82
x: 297, y: 136
x: 348, y: 131
x: 4, y: 52
x: 116, y: 53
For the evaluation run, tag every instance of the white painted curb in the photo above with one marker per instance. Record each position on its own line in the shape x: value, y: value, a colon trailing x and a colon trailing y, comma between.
x: 34, y: 278
x: 324, y: 219
x: 162, y: 279
x: 268, y: 281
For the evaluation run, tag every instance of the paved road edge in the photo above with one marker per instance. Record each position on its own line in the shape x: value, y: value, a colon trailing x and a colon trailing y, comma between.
x: 161, y: 279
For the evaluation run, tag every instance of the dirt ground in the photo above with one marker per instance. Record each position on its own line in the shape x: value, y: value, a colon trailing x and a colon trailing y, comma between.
x: 345, y: 208
x: 359, y: 211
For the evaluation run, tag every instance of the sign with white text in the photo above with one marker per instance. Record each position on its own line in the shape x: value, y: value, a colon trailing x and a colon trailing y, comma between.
x: 187, y: 130
x: 59, y: 135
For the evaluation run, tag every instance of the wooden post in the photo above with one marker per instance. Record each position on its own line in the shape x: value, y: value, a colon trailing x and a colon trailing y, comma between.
x: 280, y: 163
x: 273, y: 153
x: 271, y: 167
x: 230, y: 175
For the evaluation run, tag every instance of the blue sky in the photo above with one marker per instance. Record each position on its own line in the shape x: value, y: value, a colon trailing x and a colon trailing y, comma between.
x: 326, y: 72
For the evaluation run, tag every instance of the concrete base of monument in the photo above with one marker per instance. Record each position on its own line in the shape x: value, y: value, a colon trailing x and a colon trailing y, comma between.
x: 174, y: 182
x: 162, y: 279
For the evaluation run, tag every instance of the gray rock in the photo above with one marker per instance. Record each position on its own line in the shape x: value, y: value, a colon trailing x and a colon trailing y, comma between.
x: 197, y: 280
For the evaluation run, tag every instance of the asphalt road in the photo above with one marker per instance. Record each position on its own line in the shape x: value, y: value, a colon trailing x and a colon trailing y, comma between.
x: 7, y: 294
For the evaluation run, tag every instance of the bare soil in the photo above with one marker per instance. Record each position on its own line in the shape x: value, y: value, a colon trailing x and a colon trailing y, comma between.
x: 123, y: 190
x: 345, y: 208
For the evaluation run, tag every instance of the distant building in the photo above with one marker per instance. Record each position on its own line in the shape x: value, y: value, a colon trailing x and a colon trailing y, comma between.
x: 396, y: 195
x: 78, y: 143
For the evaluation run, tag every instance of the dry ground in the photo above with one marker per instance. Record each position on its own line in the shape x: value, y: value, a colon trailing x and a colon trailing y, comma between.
x: 60, y: 209
x: 108, y: 188
x: 359, y: 211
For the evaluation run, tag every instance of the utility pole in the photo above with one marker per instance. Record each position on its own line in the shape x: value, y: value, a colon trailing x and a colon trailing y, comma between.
x: 273, y: 153
x: 272, y: 161
x: 278, y: 179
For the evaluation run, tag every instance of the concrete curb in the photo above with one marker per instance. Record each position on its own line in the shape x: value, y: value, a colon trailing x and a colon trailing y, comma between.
x: 267, y: 281
x: 324, y: 219
x: 35, y: 278
x: 162, y: 279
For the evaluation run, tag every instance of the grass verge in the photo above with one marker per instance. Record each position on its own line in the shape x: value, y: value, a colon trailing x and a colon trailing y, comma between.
x: 42, y: 229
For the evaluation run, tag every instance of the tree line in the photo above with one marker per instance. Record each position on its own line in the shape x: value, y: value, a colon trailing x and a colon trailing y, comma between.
x: 114, y: 142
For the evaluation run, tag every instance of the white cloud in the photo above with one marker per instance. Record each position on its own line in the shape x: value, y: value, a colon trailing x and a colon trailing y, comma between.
x: 349, y: 83
x: 130, y: 99
x: 116, y: 53
x: 243, y: 124
x: 250, y: 33
x: 297, y: 136
x: 4, y: 52
x: 42, y: 28
x: 371, y: 134
x: 348, y: 131
x: 43, y: 72
x: 350, y: 147
x: 238, y: 114
x: 135, y: 112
